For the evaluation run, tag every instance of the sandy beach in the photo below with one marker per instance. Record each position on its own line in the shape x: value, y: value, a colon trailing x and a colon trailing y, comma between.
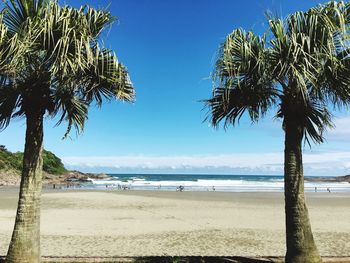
x: 148, y: 223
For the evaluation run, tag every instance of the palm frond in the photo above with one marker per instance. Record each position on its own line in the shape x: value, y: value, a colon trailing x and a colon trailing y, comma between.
x: 71, y: 108
x: 9, y: 101
x: 106, y: 78
x: 313, y: 118
x: 337, y: 13
x: 243, y: 83
x: 229, y: 104
x: 97, y: 20
x: 317, y: 120
x: 71, y: 36
x: 304, y: 66
x: 17, y: 12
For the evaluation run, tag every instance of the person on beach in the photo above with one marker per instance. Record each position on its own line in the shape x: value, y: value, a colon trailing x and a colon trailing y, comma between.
x: 213, y: 188
x: 180, y: 188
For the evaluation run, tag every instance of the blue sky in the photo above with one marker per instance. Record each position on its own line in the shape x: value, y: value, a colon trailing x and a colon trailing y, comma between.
x: 169, y: 47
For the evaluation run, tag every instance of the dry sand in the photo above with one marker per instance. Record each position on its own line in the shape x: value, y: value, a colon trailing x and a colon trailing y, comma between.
x: 134, y: 223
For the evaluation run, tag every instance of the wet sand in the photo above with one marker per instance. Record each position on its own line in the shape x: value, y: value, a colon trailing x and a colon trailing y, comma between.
x: 149, y: 223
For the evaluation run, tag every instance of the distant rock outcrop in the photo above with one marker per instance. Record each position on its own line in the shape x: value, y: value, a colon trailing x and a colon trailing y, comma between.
x: 13, y: 178
x: 345, y: 178
x: 77, y: 176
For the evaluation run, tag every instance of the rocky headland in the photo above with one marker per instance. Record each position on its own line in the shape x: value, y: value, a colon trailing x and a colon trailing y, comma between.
x: 345, y: 178
x: 73, y: 177
x: 54, y: 171
x: 13, y: 178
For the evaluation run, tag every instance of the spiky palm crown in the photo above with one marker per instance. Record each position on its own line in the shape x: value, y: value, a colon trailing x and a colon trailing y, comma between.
x: 302, y: 66
x: 51, y: 59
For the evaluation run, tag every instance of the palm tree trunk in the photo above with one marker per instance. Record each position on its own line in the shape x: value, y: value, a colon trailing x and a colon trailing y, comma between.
x: 301, y: 247
x: 25, y: 242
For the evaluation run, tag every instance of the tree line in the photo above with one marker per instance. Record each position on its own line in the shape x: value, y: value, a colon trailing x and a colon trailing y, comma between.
x: 14, y: 161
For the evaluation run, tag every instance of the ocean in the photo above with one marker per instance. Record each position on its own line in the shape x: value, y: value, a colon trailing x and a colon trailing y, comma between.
x: 208, y: 182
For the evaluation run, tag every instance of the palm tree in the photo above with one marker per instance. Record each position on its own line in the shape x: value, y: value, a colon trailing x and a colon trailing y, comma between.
x: 300, y: 69
x: 51, y: 65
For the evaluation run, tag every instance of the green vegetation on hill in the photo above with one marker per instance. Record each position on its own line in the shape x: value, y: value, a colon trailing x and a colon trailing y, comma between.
x: 8, y: 160
x: 52, y: 164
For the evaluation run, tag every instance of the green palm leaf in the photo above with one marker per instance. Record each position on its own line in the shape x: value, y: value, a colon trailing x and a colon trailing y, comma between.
x: 304, y: 66
x: 242, y: 80
x: 58, y: 47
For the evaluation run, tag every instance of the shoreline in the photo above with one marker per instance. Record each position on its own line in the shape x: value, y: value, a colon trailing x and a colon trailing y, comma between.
x: 165, y: 193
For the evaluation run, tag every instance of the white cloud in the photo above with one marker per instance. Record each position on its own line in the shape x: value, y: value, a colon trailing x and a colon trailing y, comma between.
x: 315, y: 163
x: 196, y: 161
x: 341, y: 130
